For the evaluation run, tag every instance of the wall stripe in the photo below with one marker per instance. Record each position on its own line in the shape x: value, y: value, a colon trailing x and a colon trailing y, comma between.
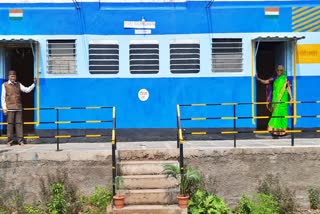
x: 306, y: 19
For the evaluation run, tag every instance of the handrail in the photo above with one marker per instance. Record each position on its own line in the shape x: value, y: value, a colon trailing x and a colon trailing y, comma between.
x: 58, y: 121
x: 57, y: 136
x: 114, y: 147
x: 247, y: 103
x: 182, y: 132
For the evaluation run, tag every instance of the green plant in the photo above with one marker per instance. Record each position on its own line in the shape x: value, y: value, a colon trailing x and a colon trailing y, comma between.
x: 245, y: 206
x: 71, y: 192
x: 33, y: 209
x: 57, y: 203
x: 203, y: 202
x: 119, y: 183
x: 285, y: 197
x: 189, y: 181
x: 257, y: 204
x: 101, y: 198
x: 314, y: 197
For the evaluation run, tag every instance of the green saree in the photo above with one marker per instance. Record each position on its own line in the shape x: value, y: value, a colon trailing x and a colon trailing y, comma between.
x: 279, y: 94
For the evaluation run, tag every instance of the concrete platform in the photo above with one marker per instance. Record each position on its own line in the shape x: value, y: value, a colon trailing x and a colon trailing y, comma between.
x: 264, y: 142
x: 229, y: 172
x: 150, y: 209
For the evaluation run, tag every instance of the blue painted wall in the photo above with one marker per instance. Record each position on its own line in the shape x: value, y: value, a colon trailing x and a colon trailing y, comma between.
x: 159, y: 111
x: 190, y: 20
x: 171, y: 18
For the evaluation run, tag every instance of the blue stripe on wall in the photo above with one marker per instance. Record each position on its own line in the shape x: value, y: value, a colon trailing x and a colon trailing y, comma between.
x: 190, y: 17
x: 159, y: 111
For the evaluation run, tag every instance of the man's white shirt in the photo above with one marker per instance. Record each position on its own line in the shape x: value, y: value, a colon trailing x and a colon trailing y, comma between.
x: 22, y: 88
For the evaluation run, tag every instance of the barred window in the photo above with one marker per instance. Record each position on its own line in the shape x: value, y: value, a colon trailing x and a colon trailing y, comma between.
x: 61, y: 56
x: 103, y: 57
x: 226, y: 55
x: 185, y: 56
x: 144, y: 57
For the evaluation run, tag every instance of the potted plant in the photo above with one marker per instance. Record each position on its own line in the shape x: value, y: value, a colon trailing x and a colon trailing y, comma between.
x: 118, y: 198
x: 189, y: 182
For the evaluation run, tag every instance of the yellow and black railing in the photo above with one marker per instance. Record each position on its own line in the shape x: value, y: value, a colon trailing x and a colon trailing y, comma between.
x: 183, y: 132
x: 56, y: 124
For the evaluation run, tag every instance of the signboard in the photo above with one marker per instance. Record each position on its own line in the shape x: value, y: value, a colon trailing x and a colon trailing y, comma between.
x: 308, y: 53
x: 142, y: 31
x: 139, y: 24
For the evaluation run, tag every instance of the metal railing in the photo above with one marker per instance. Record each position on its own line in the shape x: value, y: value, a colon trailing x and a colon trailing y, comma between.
x: 59, y: 121
x: 182, y: 132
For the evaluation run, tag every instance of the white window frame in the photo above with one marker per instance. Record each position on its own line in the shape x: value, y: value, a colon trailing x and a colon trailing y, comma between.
x: 136, y: 60
x: 62, y: 59
x: 183, y: 54
x: 100, y: 60
x: 225, y: 57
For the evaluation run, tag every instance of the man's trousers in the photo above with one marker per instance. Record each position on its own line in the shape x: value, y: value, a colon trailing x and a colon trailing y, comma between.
x: 14, y: 119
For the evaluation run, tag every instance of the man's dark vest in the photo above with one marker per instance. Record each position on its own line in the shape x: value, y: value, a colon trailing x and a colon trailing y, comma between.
x: 13, y: 95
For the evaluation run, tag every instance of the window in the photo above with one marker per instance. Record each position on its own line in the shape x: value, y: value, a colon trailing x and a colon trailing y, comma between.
x: 103, y: 57
x: 227, y: 55
x: 144, y: 57
x: 61, y: 56
x: 185, y: 56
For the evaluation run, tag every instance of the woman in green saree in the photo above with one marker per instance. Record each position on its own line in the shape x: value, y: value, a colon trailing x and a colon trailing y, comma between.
x: 280, y: 90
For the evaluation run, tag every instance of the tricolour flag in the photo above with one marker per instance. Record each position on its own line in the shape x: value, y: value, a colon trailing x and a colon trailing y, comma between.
x: 15, y: 13
x: 271, y: 11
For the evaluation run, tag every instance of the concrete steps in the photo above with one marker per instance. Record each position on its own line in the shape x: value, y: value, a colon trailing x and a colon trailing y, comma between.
x: 144, y: 167
x: 151, y: 196
x: 149, y: 182
x: 146, y: 188
x: 150, y: 209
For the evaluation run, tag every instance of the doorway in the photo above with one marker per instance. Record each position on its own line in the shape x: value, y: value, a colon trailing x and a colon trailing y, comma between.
x: 20, y: 58
x: 268, y: 57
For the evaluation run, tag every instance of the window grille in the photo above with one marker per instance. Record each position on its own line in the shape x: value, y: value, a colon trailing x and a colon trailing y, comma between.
x: 185, y: 56
x: 61, y: 56
x: 144, y: 57
x: 227, y: 55
x: 103, y: 57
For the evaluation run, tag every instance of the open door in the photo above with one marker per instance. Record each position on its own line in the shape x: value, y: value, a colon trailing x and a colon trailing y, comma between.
x: 18, y: 55
x: 269, y: 53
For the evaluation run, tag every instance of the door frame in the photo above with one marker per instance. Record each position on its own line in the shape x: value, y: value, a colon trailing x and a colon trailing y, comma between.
x: 290, y: 55
x: 35, y: 47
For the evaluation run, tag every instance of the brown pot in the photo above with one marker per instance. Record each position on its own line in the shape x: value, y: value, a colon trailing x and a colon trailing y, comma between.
x: 183, y: 200
x: 118, y: 201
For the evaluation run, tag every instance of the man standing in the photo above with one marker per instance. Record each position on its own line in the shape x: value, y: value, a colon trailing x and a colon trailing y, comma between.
x: 12, y: 106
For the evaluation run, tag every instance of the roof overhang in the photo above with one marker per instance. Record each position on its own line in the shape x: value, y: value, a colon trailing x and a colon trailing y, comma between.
x: 278, y: 38
x: 13, y: 42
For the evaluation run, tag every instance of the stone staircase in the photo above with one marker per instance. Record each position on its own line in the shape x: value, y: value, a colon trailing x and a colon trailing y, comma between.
x: 147, y: 190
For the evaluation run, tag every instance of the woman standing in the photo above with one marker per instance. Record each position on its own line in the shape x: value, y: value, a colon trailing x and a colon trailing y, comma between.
x: 279, y: 108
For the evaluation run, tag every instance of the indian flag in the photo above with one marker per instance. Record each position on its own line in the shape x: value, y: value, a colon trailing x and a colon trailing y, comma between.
x: 271, y: 11
x: 15, y: 13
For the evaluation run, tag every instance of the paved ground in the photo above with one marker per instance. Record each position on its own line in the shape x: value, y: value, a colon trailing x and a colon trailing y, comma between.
x: 254, y: 143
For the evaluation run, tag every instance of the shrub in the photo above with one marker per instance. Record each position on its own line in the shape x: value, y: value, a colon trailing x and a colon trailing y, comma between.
x: 203, y: 202
x: 101, y: 198
x: 258, y: 204
x: 285, y: 197
x: 189, y: 182
x: 57, y: 203
x: 71, y: 192
x: 314, y: 197
x: 245, y: 206
x: 33, y: 209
